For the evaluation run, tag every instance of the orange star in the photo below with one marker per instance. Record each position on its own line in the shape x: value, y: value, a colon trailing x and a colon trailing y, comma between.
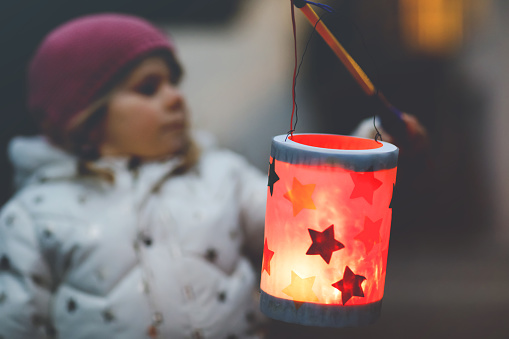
x: 300, y: 196
x: 370, y: 235
x: 301, y: 290
x: 267, y: 257
x: 365, y: 185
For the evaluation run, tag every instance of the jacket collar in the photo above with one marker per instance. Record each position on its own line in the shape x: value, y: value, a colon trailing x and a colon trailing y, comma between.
x: 36, y: 160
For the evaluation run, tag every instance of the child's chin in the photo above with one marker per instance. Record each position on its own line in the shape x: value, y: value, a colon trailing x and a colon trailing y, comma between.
x: 177, y: 146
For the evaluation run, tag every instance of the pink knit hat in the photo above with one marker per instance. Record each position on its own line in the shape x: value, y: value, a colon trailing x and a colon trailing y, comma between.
x: 77, y: 60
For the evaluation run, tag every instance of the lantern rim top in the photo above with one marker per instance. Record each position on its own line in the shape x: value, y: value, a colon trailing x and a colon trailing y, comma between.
x: 323, y: 149
x: 335, y: 140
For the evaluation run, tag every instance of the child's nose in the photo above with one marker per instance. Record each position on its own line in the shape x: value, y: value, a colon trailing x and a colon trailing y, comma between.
x: 172, y: 96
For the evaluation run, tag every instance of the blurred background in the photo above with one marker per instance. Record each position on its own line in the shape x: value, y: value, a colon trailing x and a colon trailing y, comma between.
x: 444, y: 61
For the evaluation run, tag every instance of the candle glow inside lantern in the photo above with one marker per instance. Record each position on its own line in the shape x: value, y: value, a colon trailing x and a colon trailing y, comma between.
x: 327, y: 229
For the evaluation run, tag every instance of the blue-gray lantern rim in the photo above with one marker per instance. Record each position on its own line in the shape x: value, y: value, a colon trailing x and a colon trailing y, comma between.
x: 301, y: 149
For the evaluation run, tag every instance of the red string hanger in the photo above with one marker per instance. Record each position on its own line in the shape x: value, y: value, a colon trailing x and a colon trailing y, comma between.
x: 391, y: 117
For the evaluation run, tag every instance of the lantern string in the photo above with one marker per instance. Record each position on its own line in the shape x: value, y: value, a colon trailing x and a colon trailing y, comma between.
x: 328, y: 9
x: 294, y: 104
x: 378, y: 134
x: 298, y: 65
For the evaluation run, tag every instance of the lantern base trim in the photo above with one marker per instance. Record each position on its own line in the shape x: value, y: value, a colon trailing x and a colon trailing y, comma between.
x: 313, y: 314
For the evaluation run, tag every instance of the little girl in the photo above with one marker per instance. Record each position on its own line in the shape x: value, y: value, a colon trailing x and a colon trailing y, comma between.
x: 124, y: 226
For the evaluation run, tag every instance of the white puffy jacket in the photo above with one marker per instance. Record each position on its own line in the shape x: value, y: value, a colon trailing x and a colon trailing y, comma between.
x: 81, y: 258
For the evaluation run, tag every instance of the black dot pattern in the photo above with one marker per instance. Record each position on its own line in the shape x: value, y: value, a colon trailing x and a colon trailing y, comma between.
x: 71, y: 305
x: 250, y: 317
x: 47, y: 233
x: 211, y: 255
x: 37, y: 320
x: 147, y: 241
x: 108, y: 316
x: 38, y: 280
x: 5, y: 263
x: 3, y: 297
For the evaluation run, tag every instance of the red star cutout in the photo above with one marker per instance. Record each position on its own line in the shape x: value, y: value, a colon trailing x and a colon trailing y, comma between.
x: 267, y: 257
x: 350, y: 285
x: 370, y: 235
x: 300, y: 196
x: 324, y: 243
x: 365, y: 185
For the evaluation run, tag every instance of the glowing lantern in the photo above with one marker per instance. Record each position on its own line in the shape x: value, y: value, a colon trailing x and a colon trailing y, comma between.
x: 327, y: 229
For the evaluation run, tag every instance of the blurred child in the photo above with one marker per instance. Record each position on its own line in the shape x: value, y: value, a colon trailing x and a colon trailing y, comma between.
x: 123, y: 225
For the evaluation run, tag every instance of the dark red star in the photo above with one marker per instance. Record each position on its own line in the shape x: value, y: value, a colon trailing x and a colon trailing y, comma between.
x: 267, y: 257
x: 365, y: 185
x: 324, y: 243
x: 350, y: 285
x: 273, y: 177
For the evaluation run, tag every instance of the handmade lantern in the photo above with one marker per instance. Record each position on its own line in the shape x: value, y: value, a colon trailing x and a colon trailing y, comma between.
x: 327, y: 229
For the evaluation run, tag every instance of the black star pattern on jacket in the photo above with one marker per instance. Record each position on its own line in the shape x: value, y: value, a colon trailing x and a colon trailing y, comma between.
x: 71, y: 305
x: 5, y: 263
x: 211, y: 255
x: 3, y: 297
x: 222, y: 297
x: 108, y: 316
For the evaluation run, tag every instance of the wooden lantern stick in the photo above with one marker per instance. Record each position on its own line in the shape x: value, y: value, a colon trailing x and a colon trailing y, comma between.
x: 391, y: 116
x: 350, y: 64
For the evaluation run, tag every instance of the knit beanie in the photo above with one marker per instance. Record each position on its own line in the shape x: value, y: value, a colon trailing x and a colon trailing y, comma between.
x: 77, y: 60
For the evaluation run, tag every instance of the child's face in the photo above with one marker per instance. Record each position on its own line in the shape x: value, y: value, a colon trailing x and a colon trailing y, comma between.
x: 147, y: 115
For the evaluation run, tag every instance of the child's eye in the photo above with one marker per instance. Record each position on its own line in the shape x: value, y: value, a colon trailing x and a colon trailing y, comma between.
x: 149, y: 85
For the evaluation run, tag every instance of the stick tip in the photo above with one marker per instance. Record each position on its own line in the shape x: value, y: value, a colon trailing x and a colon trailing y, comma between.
x: 299, y: 3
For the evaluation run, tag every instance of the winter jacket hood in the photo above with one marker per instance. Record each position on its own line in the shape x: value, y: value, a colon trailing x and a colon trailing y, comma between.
x: 29, y: 155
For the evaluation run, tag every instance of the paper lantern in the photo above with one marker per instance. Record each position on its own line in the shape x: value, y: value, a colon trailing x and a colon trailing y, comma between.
x: 327, y: 229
